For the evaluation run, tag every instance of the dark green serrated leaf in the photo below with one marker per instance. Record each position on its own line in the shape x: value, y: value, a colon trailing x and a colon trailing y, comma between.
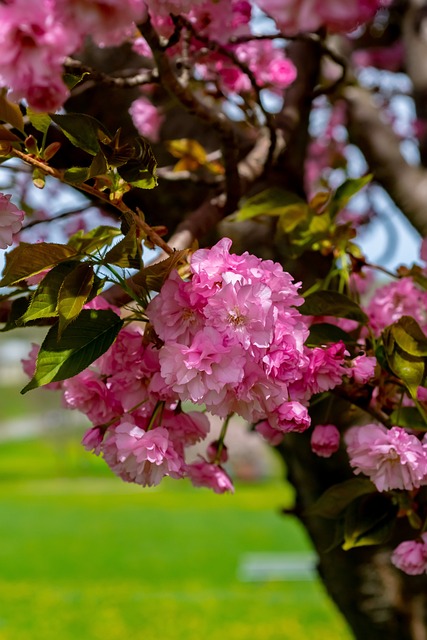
x: 127, y: 253
x: 332, y: 503
x: 40, y: 121
x: 29, y: 259
x: 73, y: 294
x: 324, y: 332
x: 91, y: 241
x: 81, y: 343
x: 346, y: 191
x: 271, y: 202
x: 369, y: 520
x: 408, y: 417
x: 45, y: 299
x: 82, y: 131
x: 332, y: 303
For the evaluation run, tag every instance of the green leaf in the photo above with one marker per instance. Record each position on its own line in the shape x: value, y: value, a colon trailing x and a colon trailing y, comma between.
x: 29, y: 259
x: 409, y: 418
x: 18, y: 308
x: 140, y: 170
x: 335, y: 499
x: 98, y: 166
x: 127, y: 253
x: 11, y: 113
x: 73, y: 294
x: 82, y: 131
x: 332, y: 303
x: 346, y: 191
x: 71, y: 79
x: 324, y: 333
x: 45, y: 299
x: 94, y: 239
x: 156, y: 274
x: 74, y: 175
x: 293, y: 215
x: 369, y: 520
x: 40, y: 121
x: 81, y: 343
x: 409, y: 369
x: 270, y: 202
x: 409, y: 336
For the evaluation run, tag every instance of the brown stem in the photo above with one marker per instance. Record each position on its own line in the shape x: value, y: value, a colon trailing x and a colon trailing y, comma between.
x: 95, y: 193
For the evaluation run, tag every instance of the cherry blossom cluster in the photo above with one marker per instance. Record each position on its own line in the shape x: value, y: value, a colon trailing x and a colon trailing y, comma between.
x: 296, y: 16
x: 36, y: 36
x: 229, y: 338
x: 233, y: 340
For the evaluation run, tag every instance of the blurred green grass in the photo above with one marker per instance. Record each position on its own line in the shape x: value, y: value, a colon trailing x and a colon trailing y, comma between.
x: 84, y: 555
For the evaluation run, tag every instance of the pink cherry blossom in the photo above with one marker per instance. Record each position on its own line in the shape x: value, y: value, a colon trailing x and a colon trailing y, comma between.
x: 294, y: 16
x: 325, y: 440
x: 271, y: 435
x: 88, y: 393
x: 411, y: 556
x: 363, y: 368
x: 391, y: 458
x: 140, y: 456
x: 394, y: 300
x: 205, y: 474
x: 11, y: 219
x: 146, y: 118
x: 92, y: 440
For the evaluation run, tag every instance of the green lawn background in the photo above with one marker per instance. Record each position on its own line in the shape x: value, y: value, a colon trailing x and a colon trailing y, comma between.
x: 85, y: 556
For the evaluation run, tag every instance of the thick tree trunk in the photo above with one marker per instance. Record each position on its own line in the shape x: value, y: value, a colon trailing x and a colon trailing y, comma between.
x: 376, y: 599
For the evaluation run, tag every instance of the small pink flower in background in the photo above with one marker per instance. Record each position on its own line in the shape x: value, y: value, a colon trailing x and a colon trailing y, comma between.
x: 411, y: 556
x: 272, y: 436
x: 362, y: 368
x: 11, y: 219
x: 325, y: 440
x: 391, y: 458
x: 92, y: 440
x: 146, y: 118
x: 204, y: 474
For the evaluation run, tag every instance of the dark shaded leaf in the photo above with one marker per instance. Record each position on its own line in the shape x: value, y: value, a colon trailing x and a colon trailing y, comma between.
x: 324, y: 332
x: 332, y: 503
x: 29, y: 259
x: 369, y: 520
x: 81, y: 343
x: 82, y: 130
x: 332, y: 303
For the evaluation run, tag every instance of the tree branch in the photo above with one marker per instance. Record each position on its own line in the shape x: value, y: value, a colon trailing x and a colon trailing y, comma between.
x: 405, y: 183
